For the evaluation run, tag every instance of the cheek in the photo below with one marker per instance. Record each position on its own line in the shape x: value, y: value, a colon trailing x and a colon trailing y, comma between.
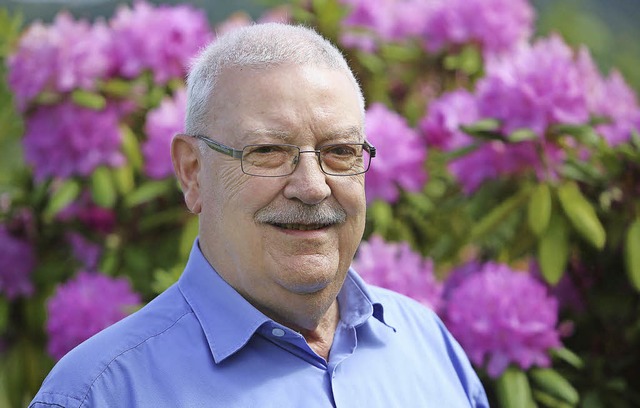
x: 349, y: 192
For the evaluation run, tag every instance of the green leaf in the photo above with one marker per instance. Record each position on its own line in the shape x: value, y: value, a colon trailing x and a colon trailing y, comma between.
x: 581, y: 214
x: 123, y: 179
x: 492, y: 220
x: 567, y: 356
x: 539, y: 210
x: 88, y: 99
x: 583, y: 133
x: 61, y: 198
x: 487, y: 129
x: 551, y: 382
x: 632, y: 253
x: 148, y: 192
x: 103, y: 190
x: 522, y: 135
x: 131, y: 147
x: 469, y: 60
x: 117, y: 87
x: 553, y: 250
x: 513, y: 390
x: 382, y: 215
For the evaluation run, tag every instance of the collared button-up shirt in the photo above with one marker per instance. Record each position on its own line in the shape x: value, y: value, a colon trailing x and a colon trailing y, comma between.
x: 201, y: 344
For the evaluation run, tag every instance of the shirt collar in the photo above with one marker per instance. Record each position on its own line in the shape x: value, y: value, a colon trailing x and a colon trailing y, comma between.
x: 357, y: 303
x: 229, y: 321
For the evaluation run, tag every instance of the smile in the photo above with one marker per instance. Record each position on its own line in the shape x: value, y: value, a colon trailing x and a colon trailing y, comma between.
x: 301, y: 227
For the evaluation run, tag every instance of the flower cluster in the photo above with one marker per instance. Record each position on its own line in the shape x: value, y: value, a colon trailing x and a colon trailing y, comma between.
x: 61, y: 57
x: 75, y: 143
x: 389, y: 20
x: 496, y: 25
x: 17, y: 261
x: 178, y: 33
x: 162, y: 124
x: 502, y: 316
x: 68, y: 54
x: 401, y: 157
x: 610, y: 98
x: 534, y: 87
x: 75, y: 315
x: 395, y: 266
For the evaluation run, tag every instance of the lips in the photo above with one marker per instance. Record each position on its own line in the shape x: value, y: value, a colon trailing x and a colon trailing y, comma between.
x: 301, y: 227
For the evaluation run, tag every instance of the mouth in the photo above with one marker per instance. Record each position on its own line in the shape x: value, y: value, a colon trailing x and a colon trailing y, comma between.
x: 300, y: 227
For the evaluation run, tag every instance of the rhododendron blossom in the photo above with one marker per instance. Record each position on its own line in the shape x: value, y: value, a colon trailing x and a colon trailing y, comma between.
x: 83, y: 306
x: 67, y: 140
x: 60, y: 57
x: 397, y: 267
x: 400, y: 161
x: 162, y: 124
x: 162, y: 39
x: 501, y: 316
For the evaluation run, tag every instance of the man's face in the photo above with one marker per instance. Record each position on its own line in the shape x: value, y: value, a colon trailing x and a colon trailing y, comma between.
x: 277, y: 266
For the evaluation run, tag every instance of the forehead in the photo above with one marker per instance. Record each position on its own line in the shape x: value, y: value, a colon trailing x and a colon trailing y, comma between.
x: 286, y: 102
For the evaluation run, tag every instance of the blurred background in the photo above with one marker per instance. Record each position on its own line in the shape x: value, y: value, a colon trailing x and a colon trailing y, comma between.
x: 541, y: 216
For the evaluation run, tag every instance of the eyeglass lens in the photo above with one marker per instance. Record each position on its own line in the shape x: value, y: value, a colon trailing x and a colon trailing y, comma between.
x: 280, y: 160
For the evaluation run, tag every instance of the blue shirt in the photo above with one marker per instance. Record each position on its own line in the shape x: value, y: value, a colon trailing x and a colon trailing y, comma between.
x: 201, y: 344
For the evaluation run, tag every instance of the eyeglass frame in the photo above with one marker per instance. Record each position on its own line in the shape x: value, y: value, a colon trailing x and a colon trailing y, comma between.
x: 237, y: 154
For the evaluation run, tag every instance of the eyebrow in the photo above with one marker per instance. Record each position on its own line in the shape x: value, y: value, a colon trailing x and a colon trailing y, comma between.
x: 285, y: 136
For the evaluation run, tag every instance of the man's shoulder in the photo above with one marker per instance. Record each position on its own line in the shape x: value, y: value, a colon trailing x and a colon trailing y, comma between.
x: 74, y: 375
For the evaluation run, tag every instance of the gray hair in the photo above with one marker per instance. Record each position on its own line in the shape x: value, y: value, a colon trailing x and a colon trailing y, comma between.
x: 259, y: 45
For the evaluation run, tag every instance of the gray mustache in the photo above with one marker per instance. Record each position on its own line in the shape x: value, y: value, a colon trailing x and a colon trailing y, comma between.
x: 300, y: 213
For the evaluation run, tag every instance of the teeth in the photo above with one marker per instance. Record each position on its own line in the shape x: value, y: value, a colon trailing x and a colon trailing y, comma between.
x: 301, y: 227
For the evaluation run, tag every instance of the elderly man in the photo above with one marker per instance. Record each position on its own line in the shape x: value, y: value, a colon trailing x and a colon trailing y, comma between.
x: 267, y: 311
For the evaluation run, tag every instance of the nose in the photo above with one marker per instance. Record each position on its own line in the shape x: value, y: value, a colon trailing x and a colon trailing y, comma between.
x: 307, y: 183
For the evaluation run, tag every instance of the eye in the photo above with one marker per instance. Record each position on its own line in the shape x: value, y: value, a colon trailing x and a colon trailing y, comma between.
x: 265, y: 149
x: 341, y: 150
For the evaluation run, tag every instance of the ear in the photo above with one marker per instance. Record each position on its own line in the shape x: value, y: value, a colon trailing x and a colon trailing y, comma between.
x: 185, y: 157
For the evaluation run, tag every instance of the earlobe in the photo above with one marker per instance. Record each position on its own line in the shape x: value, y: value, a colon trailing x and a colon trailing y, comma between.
x: 185, y: 157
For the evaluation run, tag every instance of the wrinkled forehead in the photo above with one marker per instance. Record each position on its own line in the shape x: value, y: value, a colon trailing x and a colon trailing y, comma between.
x: 281, y: 102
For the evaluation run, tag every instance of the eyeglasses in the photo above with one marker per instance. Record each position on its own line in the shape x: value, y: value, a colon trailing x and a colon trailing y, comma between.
x: 278, y: 160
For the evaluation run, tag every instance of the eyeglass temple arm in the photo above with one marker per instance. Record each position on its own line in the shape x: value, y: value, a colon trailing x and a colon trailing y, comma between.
x: 371, y: 148
x: 218, y: 147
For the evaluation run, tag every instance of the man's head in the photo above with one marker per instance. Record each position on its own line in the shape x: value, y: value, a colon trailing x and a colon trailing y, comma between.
x: 259, y: 46
x: 285, y: 243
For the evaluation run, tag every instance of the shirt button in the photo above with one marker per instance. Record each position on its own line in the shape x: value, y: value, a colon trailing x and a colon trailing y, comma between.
x: 278, y: 332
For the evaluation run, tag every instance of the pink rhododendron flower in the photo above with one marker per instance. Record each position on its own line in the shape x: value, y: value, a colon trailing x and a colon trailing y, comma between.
x: 17, y: 261
x: 610, y: 98
x: 441, y: 127
x: 445, y: 115
x: 83, y: 306
x: 501, y: 316
x: 386, y: 20
x: 535, y: 86
x: 60, y: 57
x: 162, y: 39
x: 397, y: 267
x: 497, y: 25
x: 162, y: 124
x: 67, y: 140
x: 399, y: 163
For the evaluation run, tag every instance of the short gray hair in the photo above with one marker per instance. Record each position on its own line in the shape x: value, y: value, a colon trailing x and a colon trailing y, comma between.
x: 259, y: 45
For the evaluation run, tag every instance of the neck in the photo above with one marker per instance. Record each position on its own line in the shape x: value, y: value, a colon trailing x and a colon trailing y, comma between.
x: 320, y: 338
